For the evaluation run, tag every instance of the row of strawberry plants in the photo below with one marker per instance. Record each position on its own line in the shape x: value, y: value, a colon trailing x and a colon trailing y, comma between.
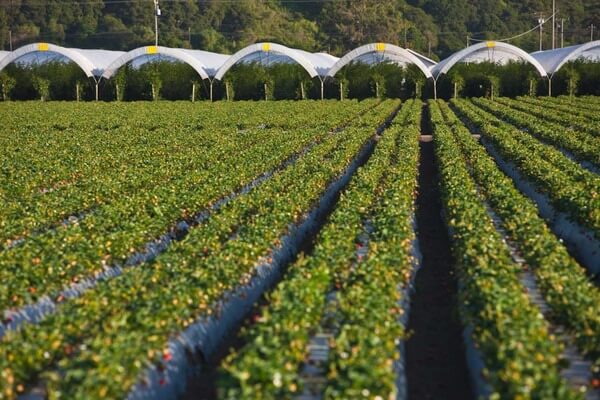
x: 564, y: 283
x: 121, y: 228
x: 100, y: 344
x: 579, y: 102
x: 582, y: 146
x: 155, y: 159
x: 588, y: 103
x: 47, y: 262
x: 60, y: 165
x: 561, y: 118
x: 270, y: 365
x: 571, y: 189
x: 375, y: 300
x: 573, y: 107
x: 547, y: 152
x: 521, y: 358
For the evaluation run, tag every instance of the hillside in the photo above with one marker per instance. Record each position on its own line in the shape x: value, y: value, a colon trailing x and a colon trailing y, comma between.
x: 436, y: 27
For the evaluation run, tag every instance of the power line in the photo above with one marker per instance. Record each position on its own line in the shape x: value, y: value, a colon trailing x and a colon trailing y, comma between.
x: 538, y: 26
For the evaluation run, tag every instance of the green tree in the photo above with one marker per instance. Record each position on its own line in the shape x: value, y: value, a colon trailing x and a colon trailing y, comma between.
x: 351, y: 23
x: 42, y: 87
x: 8, y: 83
x: 458, y: 82
x: 573, y: 78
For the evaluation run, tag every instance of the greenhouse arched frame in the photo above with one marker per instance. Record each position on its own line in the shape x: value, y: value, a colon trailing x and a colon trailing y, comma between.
x: 103, y: 64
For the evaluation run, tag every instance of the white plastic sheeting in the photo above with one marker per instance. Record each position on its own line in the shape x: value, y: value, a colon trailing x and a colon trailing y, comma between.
x: 553, y: 60
x: 91, y: 62
x: 203, y: 62
x: 316, y: 64
x: 105, y: 63
x: 379, y: 52
x: 496, y: 52
x: 100, y: 58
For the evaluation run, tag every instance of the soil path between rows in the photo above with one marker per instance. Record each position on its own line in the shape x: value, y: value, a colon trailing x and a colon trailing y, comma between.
x: 435, y: 355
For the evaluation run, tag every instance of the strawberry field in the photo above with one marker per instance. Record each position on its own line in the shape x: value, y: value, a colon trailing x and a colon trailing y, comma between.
x: 291, y: 250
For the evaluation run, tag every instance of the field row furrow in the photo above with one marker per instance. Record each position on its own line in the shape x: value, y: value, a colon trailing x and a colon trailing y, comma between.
x: 564, y: 284
x: 508, y: 332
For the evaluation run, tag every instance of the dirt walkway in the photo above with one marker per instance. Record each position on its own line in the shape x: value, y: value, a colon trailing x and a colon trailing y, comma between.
x: 435, y: 354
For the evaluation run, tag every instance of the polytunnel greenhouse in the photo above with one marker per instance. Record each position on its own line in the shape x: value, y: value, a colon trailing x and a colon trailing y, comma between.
x: 104, y: 64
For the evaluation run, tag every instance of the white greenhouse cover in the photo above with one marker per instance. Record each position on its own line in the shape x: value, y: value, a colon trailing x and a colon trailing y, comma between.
x: 425, y: 60
x: 100, y: 58
x: 553, y: 60
x: 496, y: 52
x: 92, y: 62
x: 316, y: 64
x: 105, y: 63
x: 379, y: 52
x: 204, y: 62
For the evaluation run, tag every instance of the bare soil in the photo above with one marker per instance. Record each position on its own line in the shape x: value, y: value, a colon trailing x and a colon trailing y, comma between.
x: 435, y: 354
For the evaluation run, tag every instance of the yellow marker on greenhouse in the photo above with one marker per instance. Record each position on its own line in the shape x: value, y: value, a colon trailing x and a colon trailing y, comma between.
x: 42, y: 46
x: 151, y: 50
x: 380, y: 47
x: 266, y: 47
x: 491, y: 44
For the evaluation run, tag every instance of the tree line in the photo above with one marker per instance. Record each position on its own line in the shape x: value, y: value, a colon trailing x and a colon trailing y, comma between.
x: 252, y: 81
x: 433, y: 27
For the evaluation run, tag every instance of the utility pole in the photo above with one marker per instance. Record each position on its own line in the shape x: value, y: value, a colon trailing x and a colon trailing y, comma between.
x: 541, y: 21
x: 156, y: 15
x: 562, y: 32
x: 553, y: 24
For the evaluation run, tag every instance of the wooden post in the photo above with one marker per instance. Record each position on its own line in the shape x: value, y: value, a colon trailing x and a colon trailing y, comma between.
x: 377, y: 89
x: 302, y: 94
x: 117, y: 90
x: 266, y: 96
x: 341, y: 91
x: 97, y: 91
x: 227, y: 90
x: 455, y: 90
x: 193, y: 92
x: 77, y: 96
x: 211, y: 90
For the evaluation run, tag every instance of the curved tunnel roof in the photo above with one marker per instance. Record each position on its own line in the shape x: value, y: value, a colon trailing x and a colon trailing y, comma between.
x: 91, y: 62
x: 498, y: 52
x: 316, y: 64
x: 553, y: 60
x: 203, y: 62
x: 105, y: 63
x: 380, y: 52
